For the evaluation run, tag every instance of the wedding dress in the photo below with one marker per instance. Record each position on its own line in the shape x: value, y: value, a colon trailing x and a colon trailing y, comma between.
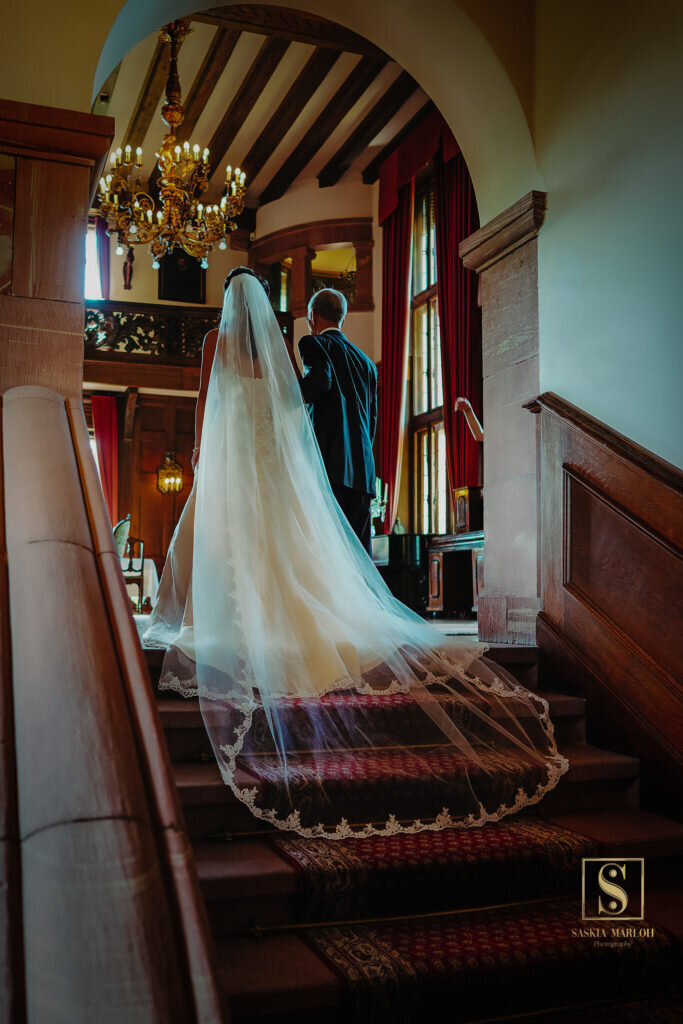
x: 332, y: 708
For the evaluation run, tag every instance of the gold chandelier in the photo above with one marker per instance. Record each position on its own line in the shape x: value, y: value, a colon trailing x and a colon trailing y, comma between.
x: 179, y: 220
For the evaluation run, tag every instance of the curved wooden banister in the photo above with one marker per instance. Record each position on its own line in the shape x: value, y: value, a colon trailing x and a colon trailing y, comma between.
x: 114, y: 925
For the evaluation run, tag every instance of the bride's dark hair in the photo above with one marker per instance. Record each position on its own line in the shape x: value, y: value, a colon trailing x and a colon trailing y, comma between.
x: 246, y: 270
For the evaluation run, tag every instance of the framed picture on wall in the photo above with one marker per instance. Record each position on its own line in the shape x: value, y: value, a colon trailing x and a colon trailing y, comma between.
x: 181, y: 278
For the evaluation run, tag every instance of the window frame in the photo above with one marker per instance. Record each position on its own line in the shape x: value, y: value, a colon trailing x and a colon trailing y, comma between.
x: 426, y: 422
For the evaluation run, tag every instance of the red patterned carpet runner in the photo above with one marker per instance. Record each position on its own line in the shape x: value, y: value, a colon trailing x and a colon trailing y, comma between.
x: 434, y: 871
x: 476, y: 965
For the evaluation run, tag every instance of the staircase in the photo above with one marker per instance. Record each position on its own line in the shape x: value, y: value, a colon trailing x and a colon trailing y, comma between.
x: 473, y: 925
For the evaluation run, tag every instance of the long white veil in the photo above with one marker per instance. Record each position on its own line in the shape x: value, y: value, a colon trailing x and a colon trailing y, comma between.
x: 332, y: 708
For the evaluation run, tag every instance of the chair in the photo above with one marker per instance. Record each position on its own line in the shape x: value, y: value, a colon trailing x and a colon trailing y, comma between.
x: 135, y: 550
x: 121, y: 531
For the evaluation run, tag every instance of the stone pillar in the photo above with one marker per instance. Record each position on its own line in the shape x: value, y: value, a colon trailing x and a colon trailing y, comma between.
x: 50, y: 162
x: 504, y: 252
x: 302, y: 257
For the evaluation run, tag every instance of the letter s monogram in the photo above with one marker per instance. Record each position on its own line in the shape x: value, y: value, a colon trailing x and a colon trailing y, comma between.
x: 613, y: 890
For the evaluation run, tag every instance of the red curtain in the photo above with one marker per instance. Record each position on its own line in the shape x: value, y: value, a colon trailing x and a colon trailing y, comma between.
x: 432, y: 135
x: 396, y: 251
x: 456, y: 217
x: 102, y: 255
x: 106, y: 439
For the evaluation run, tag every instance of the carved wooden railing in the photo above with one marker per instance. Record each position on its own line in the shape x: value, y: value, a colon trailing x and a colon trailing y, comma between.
x: 169, y: 334
x: 112, y: 919
x: 152, y: 332
x: 612, y: 543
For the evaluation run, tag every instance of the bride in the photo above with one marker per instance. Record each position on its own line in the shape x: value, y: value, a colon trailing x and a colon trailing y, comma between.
x: 332, y: 708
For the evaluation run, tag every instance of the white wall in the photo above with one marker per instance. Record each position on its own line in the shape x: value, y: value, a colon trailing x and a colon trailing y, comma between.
x: 610, y: 146
x: 305, y: 202
x: 145, y: 286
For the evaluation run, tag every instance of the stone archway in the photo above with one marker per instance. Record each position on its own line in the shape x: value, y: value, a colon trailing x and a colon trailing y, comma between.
x: 449, y: 56
x: 453, y: 52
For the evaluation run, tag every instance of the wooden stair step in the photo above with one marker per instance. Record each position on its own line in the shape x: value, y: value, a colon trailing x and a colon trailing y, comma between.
x: 187, y: 739
x: 274, y: 977
x: 596, y: 778
x: 246, y: 881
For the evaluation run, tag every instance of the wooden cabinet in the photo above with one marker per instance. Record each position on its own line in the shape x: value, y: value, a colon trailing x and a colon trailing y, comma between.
x: 455, y: 573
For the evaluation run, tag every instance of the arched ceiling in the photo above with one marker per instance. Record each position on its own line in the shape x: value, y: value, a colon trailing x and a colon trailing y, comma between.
x: 278, y: 93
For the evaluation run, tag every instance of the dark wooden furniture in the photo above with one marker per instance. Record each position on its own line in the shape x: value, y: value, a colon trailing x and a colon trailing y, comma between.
x: 455, y: 573
x: 468, y: 506
x: 401, y: 559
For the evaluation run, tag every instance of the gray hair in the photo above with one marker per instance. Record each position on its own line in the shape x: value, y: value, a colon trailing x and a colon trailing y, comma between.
x: 329, y: 304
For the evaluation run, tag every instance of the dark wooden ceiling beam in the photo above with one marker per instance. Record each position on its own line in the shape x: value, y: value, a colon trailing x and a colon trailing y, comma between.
x: 348, y: 93
x: 148, y: 100
x: 264, y: 64
x: 283, y: 23
x: 371, y: 172
x: 206, y: 79
x: 371, y: 125
x: 307, y: 81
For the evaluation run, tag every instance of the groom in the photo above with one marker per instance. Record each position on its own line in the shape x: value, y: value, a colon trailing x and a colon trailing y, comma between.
x: 340, y: 388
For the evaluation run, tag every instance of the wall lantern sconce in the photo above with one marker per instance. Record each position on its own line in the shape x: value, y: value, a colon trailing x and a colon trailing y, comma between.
x: 170, y: 475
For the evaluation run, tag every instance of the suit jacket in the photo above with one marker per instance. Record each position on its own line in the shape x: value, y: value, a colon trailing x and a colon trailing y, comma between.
x: 340, y: 388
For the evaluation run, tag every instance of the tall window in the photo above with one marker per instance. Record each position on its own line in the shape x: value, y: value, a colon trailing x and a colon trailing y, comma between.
x: 431, y: 505
x: 93, y: 285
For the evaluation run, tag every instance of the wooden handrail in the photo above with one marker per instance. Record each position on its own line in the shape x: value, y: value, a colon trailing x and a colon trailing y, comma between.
x: 11, y: 929
x: 618, y: 444
x: 112, y: 915
x: 163, y: 798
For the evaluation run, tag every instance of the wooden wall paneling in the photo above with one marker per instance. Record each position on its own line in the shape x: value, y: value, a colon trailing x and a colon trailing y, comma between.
x: 49, y: 252
x: 8, y: 171
x: 59, y: 154
x: 127, y: 406
x: 131, y: 373
x: 612, y: 549
x: 162, y: 423
x: 363, y: 301
x: 41, y: 343
x: 301, y: 280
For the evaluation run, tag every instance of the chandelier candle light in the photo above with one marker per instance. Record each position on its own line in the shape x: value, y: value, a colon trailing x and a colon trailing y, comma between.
x: 179, y: 220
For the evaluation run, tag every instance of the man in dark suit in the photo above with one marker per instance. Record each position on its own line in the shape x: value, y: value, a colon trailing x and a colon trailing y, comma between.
x: 340, y: 387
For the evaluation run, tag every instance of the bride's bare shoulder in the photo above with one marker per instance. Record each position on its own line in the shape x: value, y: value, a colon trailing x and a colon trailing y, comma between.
x: 209, y: 344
